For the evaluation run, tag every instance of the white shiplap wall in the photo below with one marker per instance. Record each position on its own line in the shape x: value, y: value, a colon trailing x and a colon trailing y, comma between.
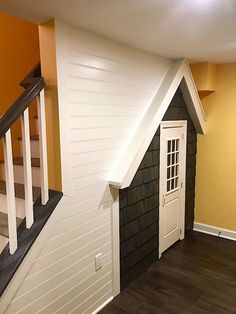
x: 104, y: 90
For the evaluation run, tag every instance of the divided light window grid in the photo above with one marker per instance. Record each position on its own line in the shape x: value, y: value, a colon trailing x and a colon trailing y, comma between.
x: 172, y: 164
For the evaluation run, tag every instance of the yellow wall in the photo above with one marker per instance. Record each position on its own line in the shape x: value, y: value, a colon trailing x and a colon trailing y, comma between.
x: 19, y: 53
x: 216, y: 154
x: 49, y: 72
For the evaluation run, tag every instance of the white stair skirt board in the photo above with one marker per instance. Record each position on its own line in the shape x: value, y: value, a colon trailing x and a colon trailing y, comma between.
x: 20, y: 206
x: 19, y: 175
x: 215, y: 231
x: 34, y: 147
x: 3, y: 242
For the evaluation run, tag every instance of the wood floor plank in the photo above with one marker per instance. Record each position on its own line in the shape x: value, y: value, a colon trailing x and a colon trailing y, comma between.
x: 195, y: 276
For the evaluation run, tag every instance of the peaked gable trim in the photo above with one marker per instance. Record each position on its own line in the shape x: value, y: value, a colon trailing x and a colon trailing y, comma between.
x: 179, y: 74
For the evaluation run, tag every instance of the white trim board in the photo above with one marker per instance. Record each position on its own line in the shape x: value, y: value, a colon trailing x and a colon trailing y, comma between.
x: 215, y: 231
x: 179, y: 74
x: 102, y: 306
x: 115, y: 242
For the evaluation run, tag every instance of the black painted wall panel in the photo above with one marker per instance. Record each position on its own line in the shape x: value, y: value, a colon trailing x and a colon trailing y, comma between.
x: 139, y: 203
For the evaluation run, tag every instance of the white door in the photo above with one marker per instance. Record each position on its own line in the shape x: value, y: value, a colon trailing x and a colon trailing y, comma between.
x: 172, y: 183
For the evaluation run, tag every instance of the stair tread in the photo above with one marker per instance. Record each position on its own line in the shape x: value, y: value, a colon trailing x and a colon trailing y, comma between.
x: 32, y: 137
x: 20, y: 190
x: 4, y: 224
x: 35, y: 162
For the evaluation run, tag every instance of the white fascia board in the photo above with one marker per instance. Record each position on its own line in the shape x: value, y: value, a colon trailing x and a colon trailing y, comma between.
x: 138, y: 145
x: 192, y: 100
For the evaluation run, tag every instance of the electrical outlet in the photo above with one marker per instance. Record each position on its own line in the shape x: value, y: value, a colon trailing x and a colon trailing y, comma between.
x: 98, y: 261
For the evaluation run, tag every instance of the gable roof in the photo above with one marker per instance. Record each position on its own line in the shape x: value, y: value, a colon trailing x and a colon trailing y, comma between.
x: 179, y: 74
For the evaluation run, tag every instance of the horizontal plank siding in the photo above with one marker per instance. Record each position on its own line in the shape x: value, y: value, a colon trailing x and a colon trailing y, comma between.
x: 104, y: 89
x: 38, y: 281
x: 96, y: 146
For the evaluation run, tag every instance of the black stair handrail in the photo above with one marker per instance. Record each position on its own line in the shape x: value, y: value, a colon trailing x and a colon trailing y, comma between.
x: 35, y: 72
x: 33, y: 84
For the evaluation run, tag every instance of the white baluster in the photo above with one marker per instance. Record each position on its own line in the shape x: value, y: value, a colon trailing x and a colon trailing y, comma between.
x: 10, y: 192
x: 43, y: 147
x: 27, y: 168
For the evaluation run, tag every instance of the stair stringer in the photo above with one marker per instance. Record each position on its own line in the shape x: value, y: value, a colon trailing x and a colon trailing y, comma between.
x: 18, y: 280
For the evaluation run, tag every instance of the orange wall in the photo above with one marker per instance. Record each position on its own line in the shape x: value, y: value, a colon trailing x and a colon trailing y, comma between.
x: 19, y: 52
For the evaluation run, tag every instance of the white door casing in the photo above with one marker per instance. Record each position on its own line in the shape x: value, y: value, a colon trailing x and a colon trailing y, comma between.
x: 173, y: 135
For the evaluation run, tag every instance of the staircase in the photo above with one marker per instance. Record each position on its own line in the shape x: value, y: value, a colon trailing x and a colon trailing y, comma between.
x: 26, y: 203
x: 18, y: 170
x: 24, y: 178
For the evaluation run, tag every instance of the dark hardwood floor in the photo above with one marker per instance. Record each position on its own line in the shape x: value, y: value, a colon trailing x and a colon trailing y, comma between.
x: 196, y: 275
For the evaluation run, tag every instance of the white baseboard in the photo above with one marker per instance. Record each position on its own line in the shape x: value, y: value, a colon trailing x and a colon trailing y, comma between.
x: 102, y: 306
x: 215, y: 231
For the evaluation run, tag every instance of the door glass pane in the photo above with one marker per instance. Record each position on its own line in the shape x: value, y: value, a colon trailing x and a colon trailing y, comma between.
x: 168, y: 186
x: 168, y: 173
x: 172, y: 184
x: 173, y: 159
x: 177, y: 144
x: 176, y: 182
x: 177, y: 170
x: 173, y: 145
x: 168, y: 160
x: 172, y: 164
x: 172, y: 171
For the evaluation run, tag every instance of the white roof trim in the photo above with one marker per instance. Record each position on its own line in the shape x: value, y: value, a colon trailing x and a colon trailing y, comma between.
x: 179, y: 74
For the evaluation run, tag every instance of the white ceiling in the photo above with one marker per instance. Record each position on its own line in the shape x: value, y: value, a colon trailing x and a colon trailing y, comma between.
x: 200, y: 30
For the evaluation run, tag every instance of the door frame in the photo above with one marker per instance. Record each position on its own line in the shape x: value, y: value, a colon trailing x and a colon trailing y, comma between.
x: 183, y: 125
